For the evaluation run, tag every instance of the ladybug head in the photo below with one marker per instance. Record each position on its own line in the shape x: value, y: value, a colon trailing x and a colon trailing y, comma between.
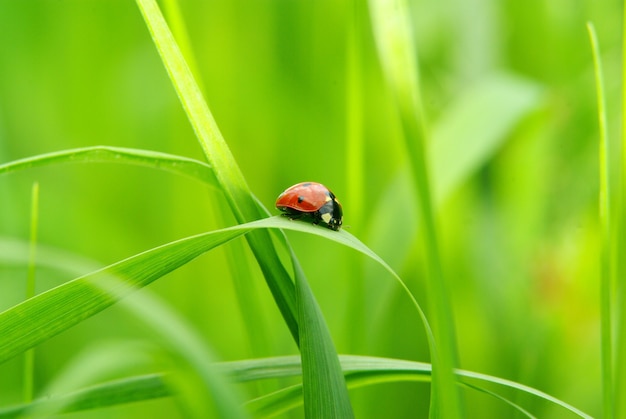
x: 331, y: 213
x: 335, y: 223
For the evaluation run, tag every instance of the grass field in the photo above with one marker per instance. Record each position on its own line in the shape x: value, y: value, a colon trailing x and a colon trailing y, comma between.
x: 475, y: 147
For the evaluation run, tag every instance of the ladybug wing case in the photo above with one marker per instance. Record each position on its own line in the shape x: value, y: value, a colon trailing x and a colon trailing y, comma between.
x: 305, y: 197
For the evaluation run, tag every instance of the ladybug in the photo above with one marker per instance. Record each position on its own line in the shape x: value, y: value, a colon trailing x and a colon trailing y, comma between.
x: 311, y: 201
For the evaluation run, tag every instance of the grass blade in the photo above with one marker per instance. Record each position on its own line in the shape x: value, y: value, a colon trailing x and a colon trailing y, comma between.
x: 231, y: 180
x: 606, y: 262
x: 363, y: 370
x: 60, y: 308
x: 127, y: 390
x: 393, y: 33
x: 105, y: 154
x: 179, y: 345
x: 359, y: 370
x: 29, y: 356
x: 325, y: 391
x: 620, y: 223
x: 48, y: 314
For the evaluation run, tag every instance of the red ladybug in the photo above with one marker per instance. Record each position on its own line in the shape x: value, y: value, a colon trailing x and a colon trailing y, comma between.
x: 311, y: 201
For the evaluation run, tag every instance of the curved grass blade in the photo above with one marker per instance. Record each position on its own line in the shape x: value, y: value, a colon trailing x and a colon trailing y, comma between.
x: 363, y: 370
x: 58, y: 309
x: 139, y: 157
x: 194, y: 361
x: 359, y: 370
x: 179, y: 345
x: 112, y: 393
x: 105, y: 154
x: 161, y: 161
x: 49, y: 315
x: 317, y: 357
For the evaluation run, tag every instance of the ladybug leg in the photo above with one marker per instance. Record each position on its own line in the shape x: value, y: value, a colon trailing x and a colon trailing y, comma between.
x: 291, y: 214
x: 316, y: 218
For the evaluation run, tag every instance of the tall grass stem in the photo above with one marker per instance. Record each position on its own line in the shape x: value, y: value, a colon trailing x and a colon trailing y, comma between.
x: 29, y: 356
x: 395, y: 38
x: 606, y: 261
x: 620, y: 227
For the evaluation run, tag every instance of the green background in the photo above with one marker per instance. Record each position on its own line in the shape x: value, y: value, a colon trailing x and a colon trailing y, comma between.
x: 519, y: 224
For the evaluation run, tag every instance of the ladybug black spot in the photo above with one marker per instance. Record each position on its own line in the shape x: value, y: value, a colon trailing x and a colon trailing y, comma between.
x: 300, y: 199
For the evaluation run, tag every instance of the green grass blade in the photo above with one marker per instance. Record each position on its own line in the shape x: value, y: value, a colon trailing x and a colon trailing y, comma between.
x: 194, y: 361
x: 175, y: 164
x: 87, y: 301
x: 359, y: 370
x: 105, y: 154
x: 393, y: 33
x: 620, y: 223
x: 127, y: 390
x: 48, y: 315
x: 60, y: 308
x: 32, y: 254
x: 363, y: 370
x: 231, y: 180
x: 29, y: 356
x: 503, y: 399
x: 179, y: 345
x: 179, y: 29
x: 178, y: 165
x: 606, y: 262
x: 325, y: 391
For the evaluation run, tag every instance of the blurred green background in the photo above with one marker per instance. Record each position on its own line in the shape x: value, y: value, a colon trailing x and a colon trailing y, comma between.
x: 520, y: 235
